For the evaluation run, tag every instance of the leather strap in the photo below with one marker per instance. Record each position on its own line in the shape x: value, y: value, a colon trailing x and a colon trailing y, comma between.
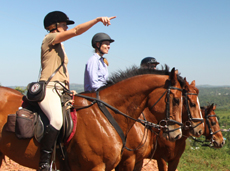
x: 54, y: 73
x: 113, y: 122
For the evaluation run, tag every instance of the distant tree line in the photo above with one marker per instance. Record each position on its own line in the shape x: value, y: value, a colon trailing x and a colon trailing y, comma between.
x: 218, y: 95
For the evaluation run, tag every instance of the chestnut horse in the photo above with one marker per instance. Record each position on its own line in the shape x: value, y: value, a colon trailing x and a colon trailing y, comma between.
x: 171, y: 152
x: 212, y: 130
x: 191, y: 114
x: 96, y: 145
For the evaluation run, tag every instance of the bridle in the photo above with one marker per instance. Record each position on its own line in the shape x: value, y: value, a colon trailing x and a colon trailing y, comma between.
x: 188, y: 124
x: 207, y: 117
x: 210, y: 140
x: 164, y: 123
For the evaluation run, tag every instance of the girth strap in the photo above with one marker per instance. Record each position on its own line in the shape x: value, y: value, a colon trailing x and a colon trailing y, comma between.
x: 113, y: 122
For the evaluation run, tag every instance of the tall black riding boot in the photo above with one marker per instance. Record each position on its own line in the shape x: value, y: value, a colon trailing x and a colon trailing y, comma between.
x: 47, y: 145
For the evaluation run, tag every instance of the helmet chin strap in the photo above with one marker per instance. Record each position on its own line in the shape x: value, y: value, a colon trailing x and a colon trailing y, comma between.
x: 99, y: 49
x: 54, y: 28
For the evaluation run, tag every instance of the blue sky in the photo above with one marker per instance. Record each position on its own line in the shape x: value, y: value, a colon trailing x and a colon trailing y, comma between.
x: 190, y: 35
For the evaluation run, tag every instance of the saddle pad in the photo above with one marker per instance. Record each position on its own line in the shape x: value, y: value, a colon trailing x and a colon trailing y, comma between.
x: 74, y: 118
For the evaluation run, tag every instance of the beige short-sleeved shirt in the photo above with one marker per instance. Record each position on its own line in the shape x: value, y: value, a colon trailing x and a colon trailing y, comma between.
x: 51, y: 58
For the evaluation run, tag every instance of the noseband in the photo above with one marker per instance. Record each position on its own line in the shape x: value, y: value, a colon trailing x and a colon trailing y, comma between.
x: 190, y: 118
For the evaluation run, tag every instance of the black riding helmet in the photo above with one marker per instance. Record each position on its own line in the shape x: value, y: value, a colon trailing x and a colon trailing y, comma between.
x: 100, y: 37
x: 54, y: 18
x: 149, y: 60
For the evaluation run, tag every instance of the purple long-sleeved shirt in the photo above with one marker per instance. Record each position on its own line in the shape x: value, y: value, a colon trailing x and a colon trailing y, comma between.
x: 96, y: 73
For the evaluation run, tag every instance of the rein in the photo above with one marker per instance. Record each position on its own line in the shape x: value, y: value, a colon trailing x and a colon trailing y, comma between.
x: 143, y: 141
x: 102, y: 104
x: 147, y: 124
x: 96, y: 100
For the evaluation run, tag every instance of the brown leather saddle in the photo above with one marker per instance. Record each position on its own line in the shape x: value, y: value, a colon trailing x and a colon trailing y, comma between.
x: 42, y: 121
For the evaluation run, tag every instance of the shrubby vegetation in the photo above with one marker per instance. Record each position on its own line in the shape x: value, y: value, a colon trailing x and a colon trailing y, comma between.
x: 21, y: 89
x: 218, y: 95
x: 77, y: 87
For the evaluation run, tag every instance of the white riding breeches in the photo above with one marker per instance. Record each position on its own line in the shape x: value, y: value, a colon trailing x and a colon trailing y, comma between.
x: 51, y: 105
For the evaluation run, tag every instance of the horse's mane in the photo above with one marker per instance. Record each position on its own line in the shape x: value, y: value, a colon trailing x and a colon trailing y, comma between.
x: 134, y: 71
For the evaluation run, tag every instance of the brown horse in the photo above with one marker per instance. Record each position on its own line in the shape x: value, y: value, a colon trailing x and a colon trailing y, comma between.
x: 212, y: 129
x: 96, y: 145
x: 171, y: 152
x: 191, y: 112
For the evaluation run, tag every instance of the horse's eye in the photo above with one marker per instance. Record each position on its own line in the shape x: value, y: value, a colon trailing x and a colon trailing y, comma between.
x: 176, y: 101
x: 192, y: 104
x: 213, y: 123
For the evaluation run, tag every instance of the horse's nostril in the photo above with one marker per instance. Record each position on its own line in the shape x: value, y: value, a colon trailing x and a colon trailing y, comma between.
x: 223, y: 142
x: 177, y: 137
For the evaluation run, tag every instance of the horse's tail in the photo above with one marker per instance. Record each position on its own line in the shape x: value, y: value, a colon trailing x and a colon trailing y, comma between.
x: 2, y: 157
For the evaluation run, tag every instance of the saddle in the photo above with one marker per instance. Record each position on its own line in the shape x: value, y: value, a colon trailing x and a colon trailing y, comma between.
x: 32, y: 111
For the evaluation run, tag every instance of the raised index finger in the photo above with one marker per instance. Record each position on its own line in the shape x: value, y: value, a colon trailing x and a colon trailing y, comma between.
x: 112, y: 17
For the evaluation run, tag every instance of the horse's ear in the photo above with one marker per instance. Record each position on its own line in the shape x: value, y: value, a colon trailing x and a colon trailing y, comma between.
x: 186, y: 82
x: 185, y: 79
x: 193, y: 83
x: 176, y: 71
x: 213, y: 106
x: 173, y: 76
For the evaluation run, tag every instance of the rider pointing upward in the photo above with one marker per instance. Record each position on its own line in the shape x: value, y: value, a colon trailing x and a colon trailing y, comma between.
x: 52, y: 56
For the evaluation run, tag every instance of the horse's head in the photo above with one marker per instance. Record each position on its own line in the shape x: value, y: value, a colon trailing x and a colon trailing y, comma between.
x: 166, y: 105
x: 212, y: 129
x: 192, y: 117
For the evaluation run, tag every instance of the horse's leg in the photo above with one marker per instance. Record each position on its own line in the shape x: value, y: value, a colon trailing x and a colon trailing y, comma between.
x: 127, y: 165
x: 161, y: 164
x: 138, y: 165
x: 180, y: 147
x: 172, y: 165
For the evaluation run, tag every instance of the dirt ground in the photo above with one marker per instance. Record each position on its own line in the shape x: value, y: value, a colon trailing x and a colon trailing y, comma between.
x: 10, y: 165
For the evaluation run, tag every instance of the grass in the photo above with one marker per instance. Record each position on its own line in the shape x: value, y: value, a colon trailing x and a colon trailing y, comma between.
x: 221, y: 113
x: 205, y: 158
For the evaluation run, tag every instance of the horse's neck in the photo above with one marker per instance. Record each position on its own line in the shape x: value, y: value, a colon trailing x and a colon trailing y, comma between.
x: 203, y: 113
x: 151, y: 117
x: 130, y: 96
